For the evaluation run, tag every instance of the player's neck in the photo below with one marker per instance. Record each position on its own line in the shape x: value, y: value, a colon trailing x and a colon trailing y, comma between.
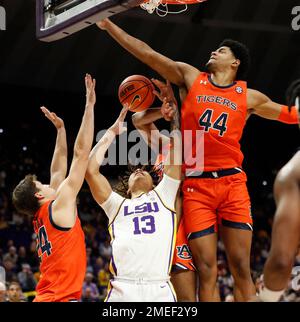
x: 43, y: 201
x: 137, y: 193
x: 222, y: 78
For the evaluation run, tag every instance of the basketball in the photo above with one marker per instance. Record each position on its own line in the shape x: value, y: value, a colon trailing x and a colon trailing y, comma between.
x: 137, y: 92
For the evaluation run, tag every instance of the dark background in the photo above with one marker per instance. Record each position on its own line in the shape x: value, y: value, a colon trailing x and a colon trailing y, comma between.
x: 34, y: 73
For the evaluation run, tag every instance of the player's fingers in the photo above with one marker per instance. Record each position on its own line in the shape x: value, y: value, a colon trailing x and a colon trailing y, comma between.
x: 124, y: 111
x: 54, y: 116
x: 46, y: 112
x: 157, y: 94
x: 44, y: 109
x: 158, y: 83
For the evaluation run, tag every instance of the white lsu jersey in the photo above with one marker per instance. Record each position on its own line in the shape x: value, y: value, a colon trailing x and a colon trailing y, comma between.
x: 143, y: 232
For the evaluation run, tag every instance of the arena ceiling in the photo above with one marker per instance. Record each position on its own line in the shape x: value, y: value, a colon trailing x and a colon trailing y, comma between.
x: 264, y: 25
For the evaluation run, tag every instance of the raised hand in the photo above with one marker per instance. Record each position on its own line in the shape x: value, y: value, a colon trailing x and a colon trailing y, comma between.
x: 166, y: 91
x: 57, y: 121
x: 168, y: 110
x: 90, y: 85
x: 103, y: 23
x: 118, y: 127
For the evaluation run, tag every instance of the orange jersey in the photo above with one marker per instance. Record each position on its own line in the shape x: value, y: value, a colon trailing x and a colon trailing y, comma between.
x: 219, y: 114
x: 63, y: 258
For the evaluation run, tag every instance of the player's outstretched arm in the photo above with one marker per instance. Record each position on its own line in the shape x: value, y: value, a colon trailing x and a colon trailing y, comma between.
x: 59, y: 164
x: 64, y: 206
x: 263, y: 106
x: 167, y: 189
x: 177, y: 72
x: 144, y: 121
x: 99, y: 185
x: 172, y: 167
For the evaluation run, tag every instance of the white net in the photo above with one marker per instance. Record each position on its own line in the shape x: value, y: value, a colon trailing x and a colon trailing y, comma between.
x: 161, y: 9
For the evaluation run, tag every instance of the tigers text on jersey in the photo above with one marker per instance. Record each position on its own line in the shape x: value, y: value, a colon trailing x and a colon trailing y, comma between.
x: 63, y: 258
x: 219, y: 112
x: 143, y: 232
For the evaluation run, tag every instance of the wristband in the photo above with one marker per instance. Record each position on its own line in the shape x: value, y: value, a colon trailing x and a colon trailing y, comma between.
x: 288, y: 117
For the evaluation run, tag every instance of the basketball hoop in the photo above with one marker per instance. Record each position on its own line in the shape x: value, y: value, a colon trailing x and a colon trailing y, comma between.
x: 161, y: 6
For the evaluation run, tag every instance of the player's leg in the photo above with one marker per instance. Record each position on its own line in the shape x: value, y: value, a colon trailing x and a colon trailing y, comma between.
x: 184, y: 282
x: 286, y: 227
x: 200, y: 223
x: 204, y: 250
x: 183, y: 275
x: 236, y: 233
x: 237, y: 244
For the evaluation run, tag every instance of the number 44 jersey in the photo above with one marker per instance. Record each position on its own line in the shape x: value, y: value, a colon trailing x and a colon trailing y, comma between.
x: 143, y: 232
x: 62, y: 258
x: 215, y: 116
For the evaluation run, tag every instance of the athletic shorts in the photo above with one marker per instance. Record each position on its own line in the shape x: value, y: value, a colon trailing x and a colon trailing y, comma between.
x: 129, y: 291
x: 209, y: 202
x: 182, y: 259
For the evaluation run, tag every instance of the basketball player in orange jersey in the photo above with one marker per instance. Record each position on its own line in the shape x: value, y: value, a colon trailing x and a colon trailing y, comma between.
x: 215, y: 194
x: 183, y: 275
x: 286, y: 226
x: 60, y: 238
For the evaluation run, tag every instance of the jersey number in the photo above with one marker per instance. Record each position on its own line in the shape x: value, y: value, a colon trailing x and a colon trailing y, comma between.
x: 43, y: 243
x: 147, y: 221
x: 219, y: 124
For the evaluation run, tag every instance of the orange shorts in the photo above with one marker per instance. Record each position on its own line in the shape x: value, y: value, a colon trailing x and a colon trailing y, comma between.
x: 182, y: 259
x: 209, y: 202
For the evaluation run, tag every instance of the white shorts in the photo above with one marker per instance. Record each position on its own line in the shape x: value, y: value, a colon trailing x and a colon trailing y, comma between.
x: 129, y: 291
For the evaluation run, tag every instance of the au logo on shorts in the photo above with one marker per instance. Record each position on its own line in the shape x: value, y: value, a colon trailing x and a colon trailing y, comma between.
x: 184, y: 252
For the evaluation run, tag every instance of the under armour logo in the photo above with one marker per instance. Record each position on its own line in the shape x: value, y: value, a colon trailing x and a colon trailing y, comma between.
x: 203, y: 82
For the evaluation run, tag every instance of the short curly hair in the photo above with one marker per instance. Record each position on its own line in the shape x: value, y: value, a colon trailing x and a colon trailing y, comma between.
x: 241, y: 52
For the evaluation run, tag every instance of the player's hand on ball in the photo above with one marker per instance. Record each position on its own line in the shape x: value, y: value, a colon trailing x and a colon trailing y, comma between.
x: 168, y: 110
x: 57, y: 121
x: 118, y: 127
x: 90, y: 85
x: 165, y: 91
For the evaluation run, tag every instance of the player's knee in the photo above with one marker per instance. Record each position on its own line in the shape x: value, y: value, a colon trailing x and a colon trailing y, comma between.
x: 285, y: 178
x: 281, y: 262
x: 240, y: 266
x: 207, y: 269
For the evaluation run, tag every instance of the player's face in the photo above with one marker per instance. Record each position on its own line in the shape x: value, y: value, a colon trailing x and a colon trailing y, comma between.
x: 220, y: 58
x: 14, y: 293
x: 140, y: 179
x: 45, y: 191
